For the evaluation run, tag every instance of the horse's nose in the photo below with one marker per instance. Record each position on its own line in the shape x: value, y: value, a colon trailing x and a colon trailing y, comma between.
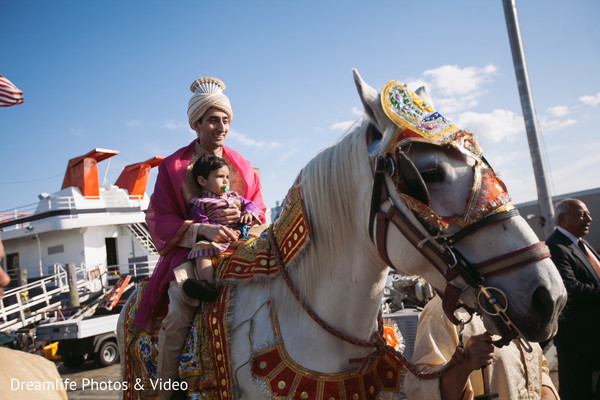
x: 543, y: 304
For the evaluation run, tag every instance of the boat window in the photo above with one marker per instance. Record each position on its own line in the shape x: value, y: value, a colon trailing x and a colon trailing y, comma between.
x: 56, y: 249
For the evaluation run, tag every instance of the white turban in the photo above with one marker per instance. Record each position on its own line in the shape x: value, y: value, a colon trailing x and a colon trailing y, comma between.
x: 208, y: 92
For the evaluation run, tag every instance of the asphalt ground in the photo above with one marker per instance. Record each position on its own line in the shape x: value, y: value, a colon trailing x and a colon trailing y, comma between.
x: 90, y: 382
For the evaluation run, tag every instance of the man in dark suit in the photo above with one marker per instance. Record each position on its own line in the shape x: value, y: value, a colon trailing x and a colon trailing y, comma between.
x: 578, y: 339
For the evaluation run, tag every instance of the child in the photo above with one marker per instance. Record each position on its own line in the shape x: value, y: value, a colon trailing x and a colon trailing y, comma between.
x: 212, y: 174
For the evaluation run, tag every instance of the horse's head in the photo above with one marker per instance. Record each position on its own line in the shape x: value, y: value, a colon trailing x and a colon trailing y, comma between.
x: 434, y: 189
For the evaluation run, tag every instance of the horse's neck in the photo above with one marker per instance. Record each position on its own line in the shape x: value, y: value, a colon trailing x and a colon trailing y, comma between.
x: 340, y: 277
x: 345, y: 289
x: 348, y: 302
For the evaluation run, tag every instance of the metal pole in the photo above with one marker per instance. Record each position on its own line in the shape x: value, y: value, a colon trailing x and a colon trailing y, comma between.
x: 537, y: 159
x: 39, y: 255
x: 73, y: 291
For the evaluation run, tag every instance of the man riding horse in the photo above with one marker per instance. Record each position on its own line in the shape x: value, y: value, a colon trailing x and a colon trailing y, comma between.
x: 298, y: 314
x: 174, y: 233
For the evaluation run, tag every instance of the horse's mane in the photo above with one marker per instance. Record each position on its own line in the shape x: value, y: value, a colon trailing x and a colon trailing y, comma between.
x: 328, y: 184
x: 331, y: 185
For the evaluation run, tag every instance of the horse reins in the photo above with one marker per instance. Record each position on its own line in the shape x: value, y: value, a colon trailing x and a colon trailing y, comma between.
x: 441, y: 252
x: 378, y: 341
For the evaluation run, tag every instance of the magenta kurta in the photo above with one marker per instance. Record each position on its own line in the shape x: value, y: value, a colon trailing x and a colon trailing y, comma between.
x: 168, y: 221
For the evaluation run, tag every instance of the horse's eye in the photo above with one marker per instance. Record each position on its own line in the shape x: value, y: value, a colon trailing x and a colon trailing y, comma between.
x: 433, y: 175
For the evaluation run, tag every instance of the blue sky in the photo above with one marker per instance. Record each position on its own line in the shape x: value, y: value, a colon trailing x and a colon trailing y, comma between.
x: 116, y: 75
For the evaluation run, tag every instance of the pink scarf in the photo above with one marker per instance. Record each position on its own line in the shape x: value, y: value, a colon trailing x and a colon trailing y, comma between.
x: 168, y: 221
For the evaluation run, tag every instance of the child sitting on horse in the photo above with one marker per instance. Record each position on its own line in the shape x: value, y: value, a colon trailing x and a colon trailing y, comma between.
x: 212, y: 174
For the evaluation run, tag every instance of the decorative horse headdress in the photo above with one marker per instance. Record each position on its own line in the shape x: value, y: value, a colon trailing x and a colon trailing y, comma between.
x: 417, y: 121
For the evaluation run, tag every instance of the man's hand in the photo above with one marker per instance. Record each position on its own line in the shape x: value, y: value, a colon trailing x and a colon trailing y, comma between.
x: 218, y: 233
x: 479, y: 351
x: 229, y: 216
x: 547, y: 393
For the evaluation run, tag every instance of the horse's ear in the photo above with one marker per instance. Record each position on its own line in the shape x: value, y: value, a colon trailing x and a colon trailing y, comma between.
x: 370, y: 99
x: 423, y: 94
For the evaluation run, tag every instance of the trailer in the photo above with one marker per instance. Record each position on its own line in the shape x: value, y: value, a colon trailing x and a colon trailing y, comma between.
x: 83, y: 338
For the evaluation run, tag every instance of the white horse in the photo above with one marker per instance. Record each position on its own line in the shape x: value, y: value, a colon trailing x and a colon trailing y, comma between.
x: 341, y: 275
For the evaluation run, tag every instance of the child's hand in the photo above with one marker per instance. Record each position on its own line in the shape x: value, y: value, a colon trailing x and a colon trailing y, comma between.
x: 246, y: 219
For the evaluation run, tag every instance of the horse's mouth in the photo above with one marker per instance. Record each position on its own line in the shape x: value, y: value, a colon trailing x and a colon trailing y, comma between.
x: 528, y: 328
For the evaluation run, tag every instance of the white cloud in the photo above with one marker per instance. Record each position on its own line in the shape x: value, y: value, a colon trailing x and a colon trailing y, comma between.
x: 455, y: 89
x: 578, y: 174
x: 451, y: 80
x: 246, y: 141
x: 345, y: 125
x: 291, y: 151
x: 449, y: 105
x: 559, y: 111
x: 554, y: 125
x: 414, y: 84
x: 591, y: 100
x: 495, y: 126
x: 133, y: 123
x: 341, y: 126
x: 175, y: 126
x: 357, y: 112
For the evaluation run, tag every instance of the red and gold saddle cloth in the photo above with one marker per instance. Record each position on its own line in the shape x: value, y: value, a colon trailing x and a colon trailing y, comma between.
x: 197, y: 366
x: 254, y: 260
x: 288, y: 380
x: 204, y: 363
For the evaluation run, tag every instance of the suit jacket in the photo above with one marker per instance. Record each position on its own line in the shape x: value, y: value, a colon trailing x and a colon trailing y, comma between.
x: 579, y: 324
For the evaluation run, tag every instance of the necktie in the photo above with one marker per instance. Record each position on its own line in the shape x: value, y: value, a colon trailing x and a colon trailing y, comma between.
x: 590, y: 256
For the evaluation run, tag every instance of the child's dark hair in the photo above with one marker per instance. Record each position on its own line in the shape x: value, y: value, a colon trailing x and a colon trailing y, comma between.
x: 206, y: 164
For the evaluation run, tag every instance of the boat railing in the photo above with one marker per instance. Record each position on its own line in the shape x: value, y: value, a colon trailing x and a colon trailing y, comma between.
x: 30, y: 303
x: 21, y: 217
x: 138, y: 269
x: 16, y: 214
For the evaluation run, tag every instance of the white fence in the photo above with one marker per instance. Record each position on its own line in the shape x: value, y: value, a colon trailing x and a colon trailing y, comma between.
x: 17, y: 309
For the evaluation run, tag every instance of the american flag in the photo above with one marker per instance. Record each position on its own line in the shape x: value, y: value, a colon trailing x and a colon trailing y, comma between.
x: 10, y: 95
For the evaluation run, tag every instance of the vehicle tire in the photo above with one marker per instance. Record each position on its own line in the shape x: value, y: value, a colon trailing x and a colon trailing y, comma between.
x: 108, y: 354
x: 73, y: 360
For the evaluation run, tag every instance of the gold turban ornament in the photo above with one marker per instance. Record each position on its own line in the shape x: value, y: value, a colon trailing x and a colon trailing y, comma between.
x: 207, y: 93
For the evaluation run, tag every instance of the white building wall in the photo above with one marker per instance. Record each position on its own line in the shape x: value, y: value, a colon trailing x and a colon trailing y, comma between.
x: 95, y: 244
x: 67, y: 246
x: 72, y: 245
x: 29, y: 252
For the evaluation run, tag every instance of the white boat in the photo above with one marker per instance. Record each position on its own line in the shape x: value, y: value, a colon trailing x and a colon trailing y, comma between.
x: 101, y: 231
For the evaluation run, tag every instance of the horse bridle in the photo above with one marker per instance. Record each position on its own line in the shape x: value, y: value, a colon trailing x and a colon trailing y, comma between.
x: 441, y: 251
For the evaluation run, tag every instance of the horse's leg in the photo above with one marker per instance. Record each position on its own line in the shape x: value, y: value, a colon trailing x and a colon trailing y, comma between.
x: 250, y: 331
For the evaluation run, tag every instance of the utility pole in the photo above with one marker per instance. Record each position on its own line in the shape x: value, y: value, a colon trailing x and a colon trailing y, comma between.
x: 544, y: 200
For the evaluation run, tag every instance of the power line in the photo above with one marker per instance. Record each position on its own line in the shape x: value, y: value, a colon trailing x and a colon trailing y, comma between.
x: 30, y: 181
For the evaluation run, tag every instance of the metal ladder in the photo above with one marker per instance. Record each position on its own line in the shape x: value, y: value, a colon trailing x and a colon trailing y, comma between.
x: 115, y: 293
x: 140, y: 232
